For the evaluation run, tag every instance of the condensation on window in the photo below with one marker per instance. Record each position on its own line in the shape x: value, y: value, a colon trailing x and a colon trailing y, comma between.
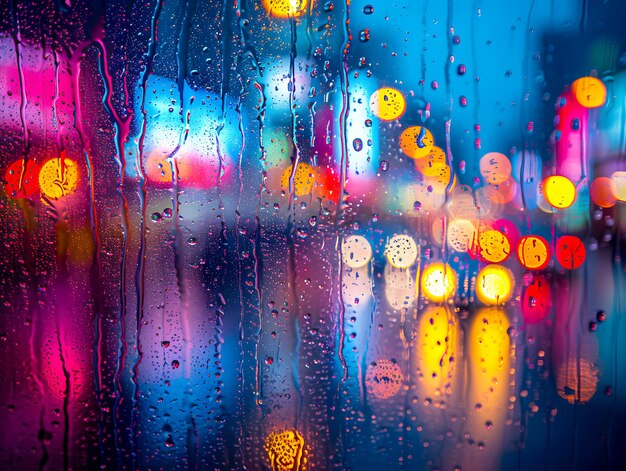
x: 296, y: 234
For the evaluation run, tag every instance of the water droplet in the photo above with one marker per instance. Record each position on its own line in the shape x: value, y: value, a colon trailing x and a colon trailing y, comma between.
x: 269, y: 360
x: 169, y: 442
x: 463, y: 100
x: 434, y: 85
x: 456, y: 39
x: 368, y: 9
x: 461, y: 69
x: 384, y: 166
x: 156, y: 217
x: 364, y: 35
x: 601, y: 316
x: 165, y: 343
x: 167, y: 213
x: 357, y: 144
x: 329, y: 6
x: 175, y: 364
x: 368, y: 123
x: 313, y: 221
x: 192, y: 241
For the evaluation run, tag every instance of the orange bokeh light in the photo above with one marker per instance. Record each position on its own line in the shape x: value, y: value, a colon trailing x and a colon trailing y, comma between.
x: 533, y: 252
x: 383, y: 379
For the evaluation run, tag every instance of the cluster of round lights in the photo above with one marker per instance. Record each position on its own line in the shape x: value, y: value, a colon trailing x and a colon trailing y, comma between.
x: 494, y: 283
x: 416, y: 142
x: 56, y: 178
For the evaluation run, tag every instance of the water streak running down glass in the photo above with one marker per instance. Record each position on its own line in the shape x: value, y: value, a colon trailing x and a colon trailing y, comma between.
x: 295, y: 235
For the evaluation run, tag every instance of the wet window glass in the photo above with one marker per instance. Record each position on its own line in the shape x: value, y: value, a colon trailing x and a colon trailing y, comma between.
x: 305, y: 234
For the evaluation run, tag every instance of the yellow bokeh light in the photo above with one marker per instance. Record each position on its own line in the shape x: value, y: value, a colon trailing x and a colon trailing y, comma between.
x: 401, y: 251
x: 303, y: 180
x: 619, y: 179
x: 488, y: 362
x: 285, y: 8
x: 494, y: 246
x: 286, y: 451
x: 387, y: 103
x: 356, y: 251
x: 590, y: 92
x: 489, y: 347
x: 436, y: 357
x: 433, y: 158
x: 559, y: 191
x: 439, y: 281
x: 58, y: 177
x: 494, y: 285
x: 439, y: 181
x: 416, y: 142
x: 495, y: 167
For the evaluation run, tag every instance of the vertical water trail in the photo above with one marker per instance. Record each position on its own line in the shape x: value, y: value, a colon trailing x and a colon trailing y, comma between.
x: 423, y: 52
x: 258, y: 270
x: 94, y: 275
x: 66, y: 401
x: 143, y: 202
x: 224, y: 89
x: 242, y: 301
x: 526, y: 64
x: 617, y: 299
x: 291, y: 223
x: 448, y: 123
x: 523, y: 110
x: 476, y: 106
x: 309, y: 25
x: 227, y: 19
x: 363, y: 363
x: 122, y: 130
x: 28, y: 258
x: 257, y: 251
x: 97, y: 378
x: 343, y: 137
x: 182, y: 53
x: 17, y: 44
